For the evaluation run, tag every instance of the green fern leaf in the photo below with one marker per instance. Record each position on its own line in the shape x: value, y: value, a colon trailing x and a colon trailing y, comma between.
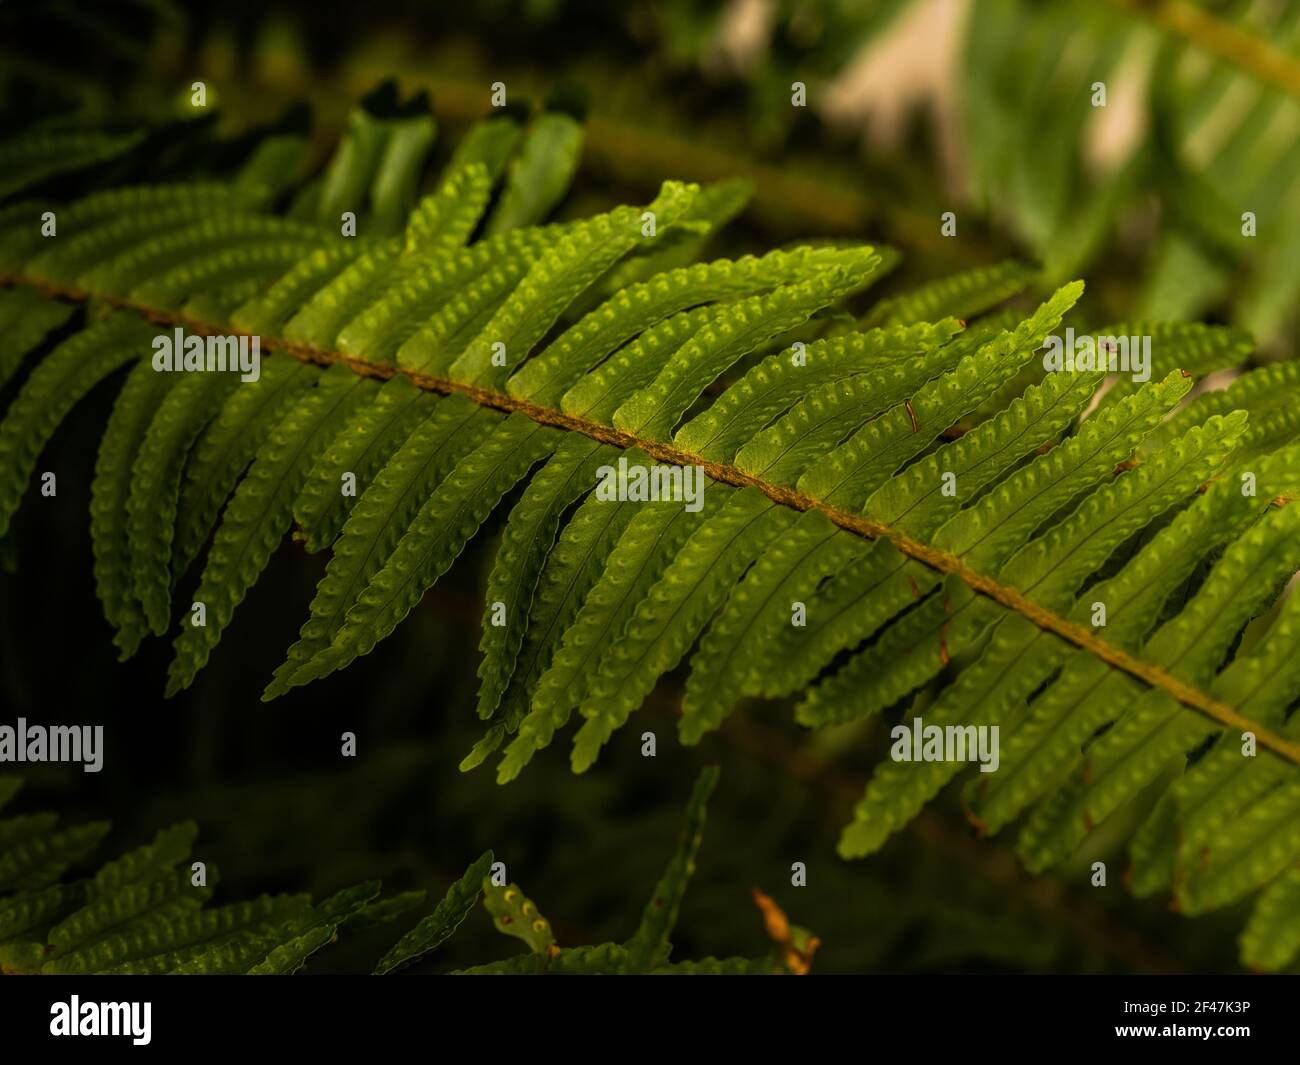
x: 259, y: 514
x: 1272, y: 936
x: 516, y: 915
x: 360, y: 449
x: 54, y: 387
x: 155, y: 483
x: 538, y: 176
x: 649, y: 946
x: 376, y: 523
x: 446, y: 521
x: 110, y: 490
x: 963, y: 295
x: 525, y: 545
x: 226, y: 447
x: 440, y: 925
x: 904, y: 511
x: 26, y: 319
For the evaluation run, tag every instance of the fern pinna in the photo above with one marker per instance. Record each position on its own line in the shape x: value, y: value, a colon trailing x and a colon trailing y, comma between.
x: 146, y: 913
x: 903, y: 510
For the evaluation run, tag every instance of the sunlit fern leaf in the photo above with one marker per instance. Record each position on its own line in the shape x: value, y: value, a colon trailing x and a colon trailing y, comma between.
x: 571, y: 570
x: 446, y: 219
x: 963, y: 295
x: 376, y: 523
x: 374, y: 431
x: 260, y: 513
x: 526, y: 543
x: 226, y: 447
x: 375, y: 171
x: 438, y: 533
x: 844, y: 612
x: 648, y: 542
x: 682, y: 244
x: 1189, y: 346
x: 538, y: 175
x: 844, y: 476
x: 1225, y: 782
x: 1063, y: 717
x: 906, y: 510
x: 668, y: 619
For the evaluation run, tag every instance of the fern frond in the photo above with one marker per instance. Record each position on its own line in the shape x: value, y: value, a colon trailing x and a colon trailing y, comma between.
x: 439, y: 926
x: 146, y: 913
x: 906, y: 509
x: 1193, y: 67
x: 649, y: 946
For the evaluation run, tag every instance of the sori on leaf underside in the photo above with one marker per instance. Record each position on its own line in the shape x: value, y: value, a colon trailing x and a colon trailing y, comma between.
x: 147, y: 912
x: 942, y: 515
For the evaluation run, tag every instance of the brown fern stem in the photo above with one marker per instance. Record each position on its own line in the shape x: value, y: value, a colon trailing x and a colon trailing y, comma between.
x: 1221, y: 39
x: 1189, y: 695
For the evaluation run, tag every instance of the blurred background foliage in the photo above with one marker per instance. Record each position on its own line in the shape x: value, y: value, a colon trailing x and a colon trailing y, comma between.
x: 914, y: 108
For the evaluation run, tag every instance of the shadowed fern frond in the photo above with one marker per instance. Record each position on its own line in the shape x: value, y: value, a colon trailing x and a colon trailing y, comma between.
x: 146, y: 913
x: 646, y: 952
